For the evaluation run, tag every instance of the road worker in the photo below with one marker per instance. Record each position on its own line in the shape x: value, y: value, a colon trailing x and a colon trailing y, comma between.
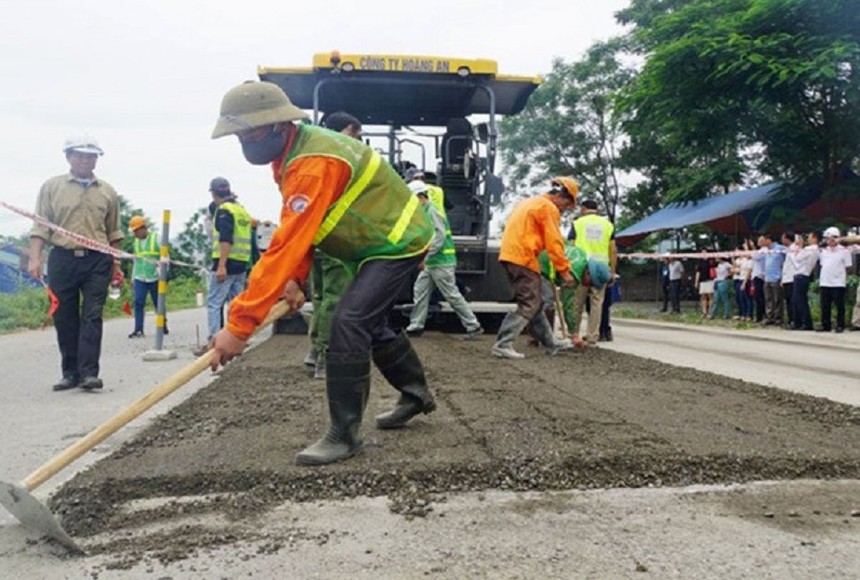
x: 340, y: 196
x: 534, y: 226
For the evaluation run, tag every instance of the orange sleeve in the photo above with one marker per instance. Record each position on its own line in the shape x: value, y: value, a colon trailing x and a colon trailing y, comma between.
x: 553, y: 239
x: 310, y: 186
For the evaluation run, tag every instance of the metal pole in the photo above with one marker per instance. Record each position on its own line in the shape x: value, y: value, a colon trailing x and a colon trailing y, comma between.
x: 163, y: 261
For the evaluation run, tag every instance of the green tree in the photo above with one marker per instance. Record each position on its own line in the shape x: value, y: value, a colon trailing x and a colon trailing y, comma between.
x: 571, y: 127
x: 736, y: 89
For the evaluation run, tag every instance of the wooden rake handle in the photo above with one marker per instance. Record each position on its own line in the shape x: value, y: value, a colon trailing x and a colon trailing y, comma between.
x: 115, y: 423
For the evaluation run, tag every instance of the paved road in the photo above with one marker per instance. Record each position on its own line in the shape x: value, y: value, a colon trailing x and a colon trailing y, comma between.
x: 718, y: 532
x: 819, y: 364
x: 37, y: 422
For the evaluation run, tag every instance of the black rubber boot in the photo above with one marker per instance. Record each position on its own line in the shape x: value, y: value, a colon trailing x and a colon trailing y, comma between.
x: 399, y: 364
x: 347, y: 386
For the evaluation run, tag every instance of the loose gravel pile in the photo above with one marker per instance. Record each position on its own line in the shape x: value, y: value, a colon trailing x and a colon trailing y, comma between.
x: 582, y: 420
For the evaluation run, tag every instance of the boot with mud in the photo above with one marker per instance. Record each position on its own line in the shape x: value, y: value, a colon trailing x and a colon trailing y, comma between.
x: 320, y: 366
x: 511, y: 327
x: 347, y: 386
x: 544, y: 332
x: 399, y: 364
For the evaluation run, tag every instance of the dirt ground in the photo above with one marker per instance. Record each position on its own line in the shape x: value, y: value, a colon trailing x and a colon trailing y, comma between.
x: 577, y: 421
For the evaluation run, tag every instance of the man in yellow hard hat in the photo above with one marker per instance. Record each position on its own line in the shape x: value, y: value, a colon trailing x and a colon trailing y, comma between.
x: 534, y: 226
x: 144, y: 274
x: 338, y: 195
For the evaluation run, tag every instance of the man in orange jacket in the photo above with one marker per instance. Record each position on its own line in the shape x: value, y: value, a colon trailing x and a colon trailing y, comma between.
x: 341, y: 197
x: 532, y: 227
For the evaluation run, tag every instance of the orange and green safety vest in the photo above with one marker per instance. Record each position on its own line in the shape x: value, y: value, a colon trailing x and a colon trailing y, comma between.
x: 377, y: 216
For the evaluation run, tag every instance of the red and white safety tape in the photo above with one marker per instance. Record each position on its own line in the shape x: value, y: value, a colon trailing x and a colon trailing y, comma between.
x: 88, y: 243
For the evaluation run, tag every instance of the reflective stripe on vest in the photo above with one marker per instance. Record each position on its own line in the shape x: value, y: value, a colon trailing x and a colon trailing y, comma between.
x: 240, y: 250
x: 150, y: 249
x: 375, y: 217
x: 347, y: 199
x: 593, y: 235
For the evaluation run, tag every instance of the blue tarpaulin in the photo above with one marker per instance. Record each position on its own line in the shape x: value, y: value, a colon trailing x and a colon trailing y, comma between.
x: 745, y: 205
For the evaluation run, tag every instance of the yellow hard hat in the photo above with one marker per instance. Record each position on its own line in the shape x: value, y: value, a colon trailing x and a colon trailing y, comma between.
x: 568, y: 183
x: 136, y: 222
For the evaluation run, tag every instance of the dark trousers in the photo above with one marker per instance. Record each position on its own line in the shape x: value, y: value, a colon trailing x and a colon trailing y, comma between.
x: 675, y: 295
x: 665, y: 287
x: 141, y: 290
x: 787, y: 290
x: 829, y: 297
x: 773, y: 301
x: 758, y: 299
x: 526, y: 285
x: 81, y: 285
x: 800, y: 301
x: 361, y: 318
x: 605, y: 322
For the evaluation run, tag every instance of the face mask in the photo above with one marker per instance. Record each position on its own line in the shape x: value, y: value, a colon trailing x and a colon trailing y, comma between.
x: 265, y: 150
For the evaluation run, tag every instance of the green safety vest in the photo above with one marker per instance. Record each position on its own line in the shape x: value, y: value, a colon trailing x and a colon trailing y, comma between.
x: 447, y: 254
x: 147, y: 248
x: 240, y: 250
x: 576, y: 256
x: 376, y: 216
x: 436, y: 195
x: 593, y: 235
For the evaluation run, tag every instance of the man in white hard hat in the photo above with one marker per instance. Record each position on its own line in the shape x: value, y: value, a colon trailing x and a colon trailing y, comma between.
x: 438, y: 271
x: 835, y: 261
x: 79, y: 202
x: 340, y: 196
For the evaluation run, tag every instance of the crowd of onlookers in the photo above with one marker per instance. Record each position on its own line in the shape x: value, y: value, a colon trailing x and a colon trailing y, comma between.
x: 768, y: 282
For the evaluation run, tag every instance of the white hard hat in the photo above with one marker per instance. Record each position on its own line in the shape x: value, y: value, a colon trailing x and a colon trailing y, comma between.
x: 418, y: 187
x: 82, y: 144
x: 831, y: 232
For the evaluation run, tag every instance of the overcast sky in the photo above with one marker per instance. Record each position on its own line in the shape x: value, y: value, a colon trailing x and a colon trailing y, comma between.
x: 146, y: 77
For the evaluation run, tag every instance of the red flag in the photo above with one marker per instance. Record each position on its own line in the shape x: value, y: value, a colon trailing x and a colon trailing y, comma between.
x: 126, y: 307
x: 52, y: 307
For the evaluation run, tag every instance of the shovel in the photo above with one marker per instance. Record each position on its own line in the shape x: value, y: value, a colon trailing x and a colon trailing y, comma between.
x: 18, y: 500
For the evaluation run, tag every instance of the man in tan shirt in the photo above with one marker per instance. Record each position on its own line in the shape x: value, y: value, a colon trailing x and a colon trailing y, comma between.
x: 82, y: 203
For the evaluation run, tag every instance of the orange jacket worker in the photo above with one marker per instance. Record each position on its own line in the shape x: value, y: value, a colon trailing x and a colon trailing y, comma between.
x: 338, y: 195
x: 532, y: 227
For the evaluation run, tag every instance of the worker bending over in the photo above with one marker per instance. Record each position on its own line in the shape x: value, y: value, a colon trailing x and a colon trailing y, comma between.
x: 340, y: 196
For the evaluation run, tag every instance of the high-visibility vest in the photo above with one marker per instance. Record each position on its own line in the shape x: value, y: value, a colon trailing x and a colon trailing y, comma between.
x: 240, y: 250
x: 436, y: 196
x: 576, y: 256
x: 447, y: 254
x: 593, y: 235
x: 376, y: 216
x: 146, y: 248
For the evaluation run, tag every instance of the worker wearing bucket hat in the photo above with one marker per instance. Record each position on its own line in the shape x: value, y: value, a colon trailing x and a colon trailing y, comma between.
x: 82, y: 203
x: 340, y: 196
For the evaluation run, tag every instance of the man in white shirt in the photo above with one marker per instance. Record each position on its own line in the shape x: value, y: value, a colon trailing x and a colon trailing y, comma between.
x: 804, y: 260
x: 788, y: 272
x: 855, y: 316
x: 835, y: 261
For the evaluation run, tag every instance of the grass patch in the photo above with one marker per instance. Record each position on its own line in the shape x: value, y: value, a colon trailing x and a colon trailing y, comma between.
x: 28, y: 308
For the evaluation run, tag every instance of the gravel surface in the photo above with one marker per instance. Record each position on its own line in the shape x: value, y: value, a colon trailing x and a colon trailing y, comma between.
x: 577, y: 421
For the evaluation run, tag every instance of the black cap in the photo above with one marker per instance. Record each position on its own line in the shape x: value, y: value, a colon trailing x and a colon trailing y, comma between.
x: 220, y: 187
x: 589, y: 204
